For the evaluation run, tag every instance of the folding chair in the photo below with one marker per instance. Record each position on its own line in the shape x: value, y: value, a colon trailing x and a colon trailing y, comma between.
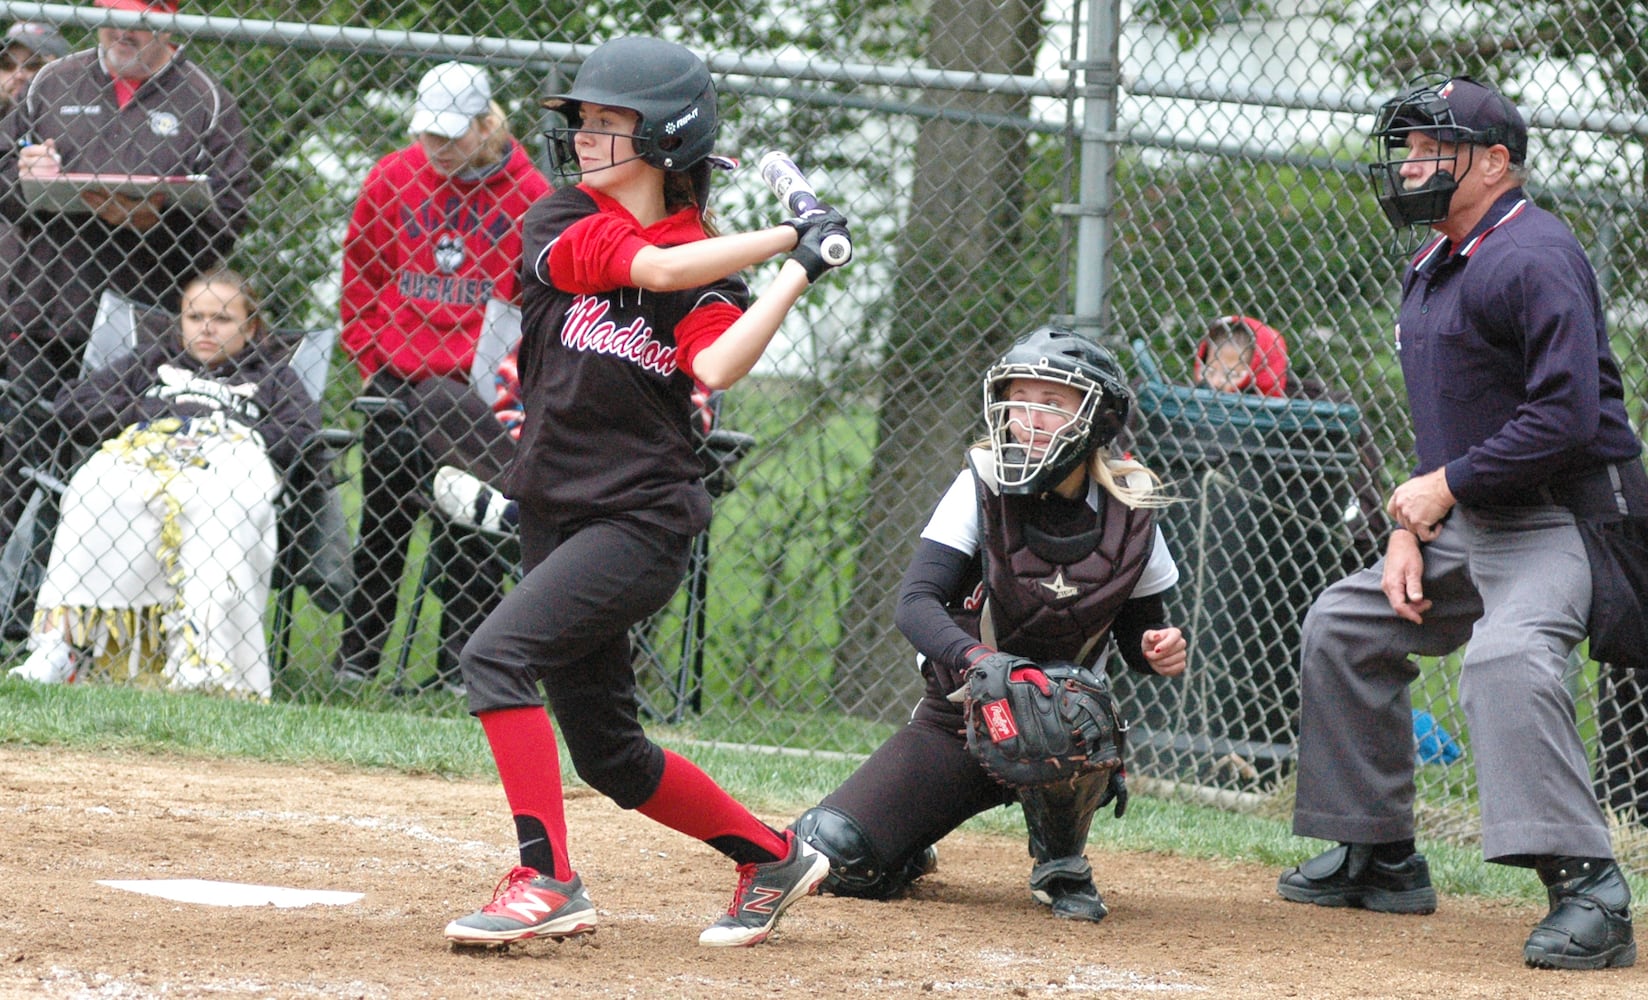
x: 310, y: 508
x: 314, y: 535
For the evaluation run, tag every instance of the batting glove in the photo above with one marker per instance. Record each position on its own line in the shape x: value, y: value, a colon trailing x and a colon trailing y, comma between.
x: 809, y: 253
x: 806, y: 222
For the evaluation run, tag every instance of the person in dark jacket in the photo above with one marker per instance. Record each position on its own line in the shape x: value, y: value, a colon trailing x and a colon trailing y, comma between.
x: 30, y: 45
x: 1520, y: 427
x: 133, y: 105
x: 167, y: 537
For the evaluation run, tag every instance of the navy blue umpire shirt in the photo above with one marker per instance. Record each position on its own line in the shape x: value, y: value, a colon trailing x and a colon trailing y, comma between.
x: 1504, y: 349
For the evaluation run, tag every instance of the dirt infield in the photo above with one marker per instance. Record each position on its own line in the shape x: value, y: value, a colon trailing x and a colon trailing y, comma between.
x: 423, y: 850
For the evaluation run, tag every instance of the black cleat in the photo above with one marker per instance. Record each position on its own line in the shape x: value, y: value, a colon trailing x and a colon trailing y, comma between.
x: 1066, y: 886
x: 1349, y: 875
x: 1589, y: 926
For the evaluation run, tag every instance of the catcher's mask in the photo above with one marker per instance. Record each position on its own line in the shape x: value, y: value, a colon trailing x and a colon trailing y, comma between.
x: 1459, y: 113
x: 665, y: 83
x: 1036, y: 444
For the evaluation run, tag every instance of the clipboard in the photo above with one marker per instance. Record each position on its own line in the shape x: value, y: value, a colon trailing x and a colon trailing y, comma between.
x: 61, y: 192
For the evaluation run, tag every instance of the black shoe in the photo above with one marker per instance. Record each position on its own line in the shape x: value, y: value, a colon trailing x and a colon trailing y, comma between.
x: 924, y: 862
x: 1066, y: 886
x: 1349, y: 875
x: 1589, y: 926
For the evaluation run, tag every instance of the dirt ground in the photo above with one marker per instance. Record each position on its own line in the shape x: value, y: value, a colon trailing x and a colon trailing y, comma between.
x: 423, y: 850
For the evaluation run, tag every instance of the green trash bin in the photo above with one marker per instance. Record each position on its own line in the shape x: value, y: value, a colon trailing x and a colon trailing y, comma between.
x: 1266, y: 485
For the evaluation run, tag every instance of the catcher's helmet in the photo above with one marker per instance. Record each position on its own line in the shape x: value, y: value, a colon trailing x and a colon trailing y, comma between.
x: 1456, y: 110
x: 1041, y: 460
x: 665, y: 83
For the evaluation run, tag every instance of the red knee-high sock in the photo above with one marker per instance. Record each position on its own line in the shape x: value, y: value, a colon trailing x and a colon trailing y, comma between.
x: 690, y: 801
x: 523, y: 747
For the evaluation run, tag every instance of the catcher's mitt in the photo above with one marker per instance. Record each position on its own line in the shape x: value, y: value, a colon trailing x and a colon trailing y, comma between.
x: 1033, y: 725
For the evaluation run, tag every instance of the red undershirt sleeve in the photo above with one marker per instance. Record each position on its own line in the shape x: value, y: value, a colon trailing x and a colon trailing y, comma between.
x: 595, y: 254
x: 701, y: 328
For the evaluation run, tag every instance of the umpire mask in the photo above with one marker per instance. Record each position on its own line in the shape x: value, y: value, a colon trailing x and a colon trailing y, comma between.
x: 1457, y: 112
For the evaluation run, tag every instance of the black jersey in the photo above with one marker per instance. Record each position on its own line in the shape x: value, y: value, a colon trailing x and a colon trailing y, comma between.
x: 608, y: 424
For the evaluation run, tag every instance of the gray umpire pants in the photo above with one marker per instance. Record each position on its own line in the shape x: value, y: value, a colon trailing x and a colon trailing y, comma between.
x: 1514, y: 586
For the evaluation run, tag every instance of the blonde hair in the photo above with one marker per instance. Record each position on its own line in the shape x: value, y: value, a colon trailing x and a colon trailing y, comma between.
x: 1129, y: 481
x: 498, y: 136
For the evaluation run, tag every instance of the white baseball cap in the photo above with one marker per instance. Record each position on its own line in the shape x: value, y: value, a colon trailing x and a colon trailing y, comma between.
x: 450, y: 97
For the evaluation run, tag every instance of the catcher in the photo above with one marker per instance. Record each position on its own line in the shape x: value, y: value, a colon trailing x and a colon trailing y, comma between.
x: 1041, y: 550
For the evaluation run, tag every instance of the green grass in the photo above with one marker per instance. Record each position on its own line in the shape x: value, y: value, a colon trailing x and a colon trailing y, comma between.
x: 100, y: 718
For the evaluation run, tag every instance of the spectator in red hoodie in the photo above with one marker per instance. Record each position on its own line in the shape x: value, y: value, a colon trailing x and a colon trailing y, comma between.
x: 1241, y: 354
x: 434, y: 238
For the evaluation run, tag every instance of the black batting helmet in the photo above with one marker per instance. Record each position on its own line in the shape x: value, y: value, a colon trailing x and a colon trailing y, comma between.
x: 665, y: 83
x: 1060, y: 355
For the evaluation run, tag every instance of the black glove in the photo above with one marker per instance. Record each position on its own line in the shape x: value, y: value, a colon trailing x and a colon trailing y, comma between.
x: 1030, y: 725
x: 809, y: 253
x: 1115, y: 791
x: 806, y: 222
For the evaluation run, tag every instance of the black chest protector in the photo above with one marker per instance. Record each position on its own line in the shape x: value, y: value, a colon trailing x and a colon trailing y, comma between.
x: 1052, y: 593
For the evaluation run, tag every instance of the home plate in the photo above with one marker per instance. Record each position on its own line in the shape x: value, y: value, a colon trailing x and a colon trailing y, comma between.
x: 194, y: 890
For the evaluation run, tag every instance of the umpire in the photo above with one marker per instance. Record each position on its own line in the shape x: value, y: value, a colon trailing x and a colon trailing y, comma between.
x: 1520, y: 425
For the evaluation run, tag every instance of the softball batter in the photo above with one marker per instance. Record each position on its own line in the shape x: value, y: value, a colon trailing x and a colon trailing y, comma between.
x: 628, y: 296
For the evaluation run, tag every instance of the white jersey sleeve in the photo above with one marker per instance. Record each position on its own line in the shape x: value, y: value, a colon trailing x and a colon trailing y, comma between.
x: 955, y: 521
x: 1161, y: 572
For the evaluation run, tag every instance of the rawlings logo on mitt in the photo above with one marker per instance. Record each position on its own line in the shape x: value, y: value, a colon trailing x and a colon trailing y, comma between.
x: 1031, y: 725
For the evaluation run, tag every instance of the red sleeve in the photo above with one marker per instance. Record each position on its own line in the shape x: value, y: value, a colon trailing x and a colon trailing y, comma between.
x: 594, y: 254
x: 700, y: 328
x: 364, y: 275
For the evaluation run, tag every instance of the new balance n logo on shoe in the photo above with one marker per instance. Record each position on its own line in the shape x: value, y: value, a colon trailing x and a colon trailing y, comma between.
x: 763, y: 899
x: 764, y: 892
x: 527, y: 905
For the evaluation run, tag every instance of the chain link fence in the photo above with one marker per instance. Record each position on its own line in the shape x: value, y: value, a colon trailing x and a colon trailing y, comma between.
x: 1140, y: 171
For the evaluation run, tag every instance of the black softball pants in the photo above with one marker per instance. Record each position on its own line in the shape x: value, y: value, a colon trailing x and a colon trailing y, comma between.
x: 565, y: 626
x: 918, y: 786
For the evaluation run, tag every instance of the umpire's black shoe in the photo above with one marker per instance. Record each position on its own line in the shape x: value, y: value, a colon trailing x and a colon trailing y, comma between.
x: 1349, y: 875
x: 1589, y: 926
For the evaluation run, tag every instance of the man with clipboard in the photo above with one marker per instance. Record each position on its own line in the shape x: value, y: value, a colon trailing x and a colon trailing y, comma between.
x: 134, y: 107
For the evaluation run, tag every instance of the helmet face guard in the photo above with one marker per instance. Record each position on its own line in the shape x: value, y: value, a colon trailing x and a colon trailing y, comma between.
x: 1425, y: 109
x: 1034, y: 455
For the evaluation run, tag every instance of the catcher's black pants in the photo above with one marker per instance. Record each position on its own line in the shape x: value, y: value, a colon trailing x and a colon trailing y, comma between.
x: 918, y: 786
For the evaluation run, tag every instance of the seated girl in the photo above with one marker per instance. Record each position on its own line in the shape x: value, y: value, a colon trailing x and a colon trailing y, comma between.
x: 159, y: 571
